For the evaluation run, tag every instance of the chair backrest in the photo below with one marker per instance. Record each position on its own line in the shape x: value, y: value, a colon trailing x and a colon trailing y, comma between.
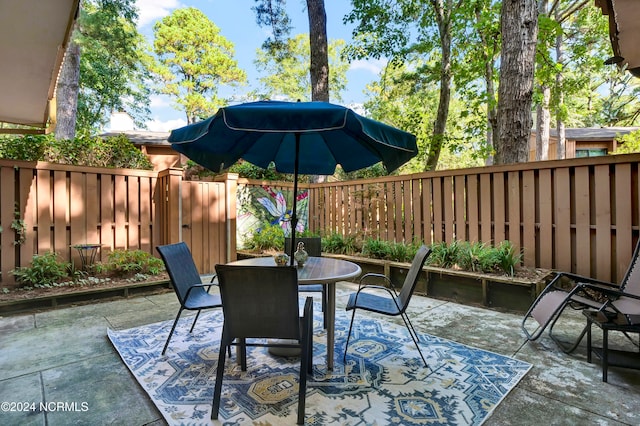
x: 312, y: 245
x: 260, y: 301
x: 411, y: 280
x: 631, y: 281
x: 181, y: 268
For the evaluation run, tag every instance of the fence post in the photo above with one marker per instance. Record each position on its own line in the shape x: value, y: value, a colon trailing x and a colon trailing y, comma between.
x: 171, y: 205
x: 230, y: 195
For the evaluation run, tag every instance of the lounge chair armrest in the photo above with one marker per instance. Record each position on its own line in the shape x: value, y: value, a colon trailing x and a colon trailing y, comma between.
x: 608, y: 291
x: 579, y: 279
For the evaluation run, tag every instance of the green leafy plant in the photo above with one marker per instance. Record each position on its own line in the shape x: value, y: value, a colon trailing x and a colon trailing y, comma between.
x: 270, y: 237
x: 508, y: 258
x: 130, y: 262
x: 376, y: 249
x: 443, y: 255
x: 340, y: 244
x: 45, y: 270
x: 19, y: 227
x: 83, y: 150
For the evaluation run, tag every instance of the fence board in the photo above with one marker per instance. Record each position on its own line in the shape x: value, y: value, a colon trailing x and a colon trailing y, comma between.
x: 472, y: 208
x: 7, y: 236
x: 43, y: 207
x: 447, y: 202
x: 514, y: 206
x: 562, y: 216
x: 623, y: 216
x: 459, y: 205
x: 120, y: 203
x: 545, y: 219
x: 602, y: 222
x: 133, y: 213
x: 486, y: 234
x: 107, y: 215
x: 581, y: 189
x: 499, y: 209
x: 529, y: 217
x: 28, y: 204
x: 60, y: 206
x: 427, y: 223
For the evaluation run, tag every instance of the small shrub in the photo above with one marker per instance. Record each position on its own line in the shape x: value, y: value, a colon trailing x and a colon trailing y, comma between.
x: 340, y: 244
x: 508, y: 258
x: 129, y: 262
x: 376, y: 249
x: 400, y: 252
x: 45, y: 270
x: 443, y: 255
x: 270, y: 237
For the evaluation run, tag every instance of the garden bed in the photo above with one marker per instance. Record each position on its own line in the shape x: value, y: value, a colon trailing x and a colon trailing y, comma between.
x: 495, y: 291
x: 17, y: 300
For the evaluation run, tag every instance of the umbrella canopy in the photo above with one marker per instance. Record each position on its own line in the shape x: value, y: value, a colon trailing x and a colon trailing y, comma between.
x: 298, y: 137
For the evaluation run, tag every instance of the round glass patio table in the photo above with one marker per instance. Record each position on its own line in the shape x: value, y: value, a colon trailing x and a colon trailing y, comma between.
x: 318, y: 270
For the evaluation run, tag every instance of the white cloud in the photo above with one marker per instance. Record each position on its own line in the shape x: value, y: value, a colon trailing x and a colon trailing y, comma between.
x: 150, y: 10
x: 374, y: 66
x: 159, y: 101
x: 157, y: 125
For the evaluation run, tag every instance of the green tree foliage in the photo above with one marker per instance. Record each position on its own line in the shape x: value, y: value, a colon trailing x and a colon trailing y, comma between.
x: 112, y: 152
x: 628, y: 143
x: 288, y: 74
x: 114, y: 64
x: 194, y: 60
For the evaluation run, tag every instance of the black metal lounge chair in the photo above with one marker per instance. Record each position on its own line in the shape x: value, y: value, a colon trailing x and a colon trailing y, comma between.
x: 616, y: 302
x: 192, y: 294
x: 313, y: 247
x: 391, y: 303
x: 261, y: 302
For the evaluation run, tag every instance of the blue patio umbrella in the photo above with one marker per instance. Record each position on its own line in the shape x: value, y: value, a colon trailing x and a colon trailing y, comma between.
x: 298, y: 137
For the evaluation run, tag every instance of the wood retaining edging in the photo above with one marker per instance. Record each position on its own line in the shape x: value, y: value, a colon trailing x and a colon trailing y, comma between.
x: 504, y: 293
x: 82, y: 296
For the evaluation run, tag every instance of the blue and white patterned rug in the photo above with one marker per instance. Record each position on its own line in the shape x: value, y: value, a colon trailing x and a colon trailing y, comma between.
x: 383, y: 383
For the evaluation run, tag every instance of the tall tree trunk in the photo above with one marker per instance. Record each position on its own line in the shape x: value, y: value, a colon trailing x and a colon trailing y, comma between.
x: 543, y: 123
x: 519, y: 27
x: 67, y: 94
x: 319, y: 68
x: 443, y: 18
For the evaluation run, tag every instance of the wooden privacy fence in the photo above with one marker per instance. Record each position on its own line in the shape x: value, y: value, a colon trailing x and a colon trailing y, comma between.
x: 579, y: 215
x: 50, y: 207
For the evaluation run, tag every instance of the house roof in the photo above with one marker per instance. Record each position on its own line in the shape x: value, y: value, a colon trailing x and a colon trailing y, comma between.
x: 34, y: 35
x: 593, y: 133
x: 142, y: 137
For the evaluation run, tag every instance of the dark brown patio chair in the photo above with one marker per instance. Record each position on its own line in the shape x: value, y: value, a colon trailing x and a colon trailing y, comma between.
x: 620, y: 303
x: 313, y: 247
x: 192, y: 294
x: 389, y: 302
x: 261, y: 302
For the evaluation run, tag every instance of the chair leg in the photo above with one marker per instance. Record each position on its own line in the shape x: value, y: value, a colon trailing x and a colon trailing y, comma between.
x: 414, y: 335
x: 566, y: 348
x: 194, y: 321
x: 175, y: 322
x: 306, y: 359
x: 346, y: 346
x: 217, y: 390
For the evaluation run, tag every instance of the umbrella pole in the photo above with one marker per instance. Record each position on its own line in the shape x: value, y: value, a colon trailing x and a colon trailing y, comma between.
x: 294, y: 216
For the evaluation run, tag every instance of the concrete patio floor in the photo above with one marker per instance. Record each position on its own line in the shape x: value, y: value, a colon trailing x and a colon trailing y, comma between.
x: 64, y: 356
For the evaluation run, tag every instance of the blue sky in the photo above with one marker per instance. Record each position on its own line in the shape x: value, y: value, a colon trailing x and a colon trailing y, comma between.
x: 237, y: 23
